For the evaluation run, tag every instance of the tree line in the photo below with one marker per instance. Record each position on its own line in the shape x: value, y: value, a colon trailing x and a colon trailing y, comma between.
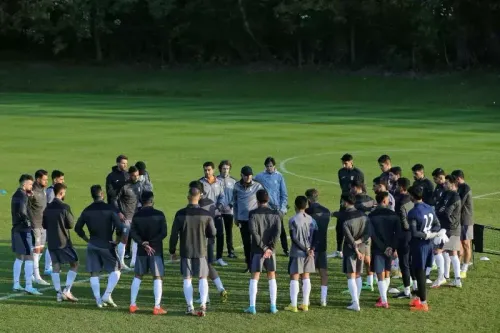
x: 392, y: 34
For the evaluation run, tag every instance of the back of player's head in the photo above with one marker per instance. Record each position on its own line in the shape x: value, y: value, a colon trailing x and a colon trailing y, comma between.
x: 40, y: 173
x: 404, y: 183
x: 121, y: 158
x: 133, y: 169
x: 270, y: 160
x: 396, y: 170
x: 376, y: 180
x: 381, y: 196
x: 384, y: 159
x: 346, y: 158
x: 301, y: 202
x: 312, y: 194
x: 452, y: 179
x: 379, y: 188
x: 56, y: 174
x: 348, y: 198
x: 59, y: 187
x: 193, y: 193
x: 96, y: 192
x: 209, y: 164
x: 25, y: 177
x: 438, y: 172
x: 417, y: 167
x: 147, y: 197
x: 417, y: 192
x: 197, y: 184
x: 262, y: 196
x: 141, y: 166
x: 458, y: 174
x: 356, y: 184
x: 225, y: 162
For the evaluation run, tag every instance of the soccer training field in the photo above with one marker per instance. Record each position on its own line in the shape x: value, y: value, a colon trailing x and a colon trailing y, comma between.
x: 79, y: 120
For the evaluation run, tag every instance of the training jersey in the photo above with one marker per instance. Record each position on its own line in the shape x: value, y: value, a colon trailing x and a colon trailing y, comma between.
x: 423, y: 219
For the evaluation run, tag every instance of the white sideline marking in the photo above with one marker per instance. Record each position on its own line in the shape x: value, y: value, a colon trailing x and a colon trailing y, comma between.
x: 485, y: 195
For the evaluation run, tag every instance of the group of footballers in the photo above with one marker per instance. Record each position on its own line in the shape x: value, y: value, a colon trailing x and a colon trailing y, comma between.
x: 414, y: 225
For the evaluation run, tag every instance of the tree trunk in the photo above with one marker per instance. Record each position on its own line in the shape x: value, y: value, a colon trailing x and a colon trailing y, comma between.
x: 353, y: 43
x: 94, y: 21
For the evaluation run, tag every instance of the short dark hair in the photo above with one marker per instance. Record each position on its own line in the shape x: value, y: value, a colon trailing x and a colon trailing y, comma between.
x: 417, y: 167
x: 133, y: 169
x: 95, y: 191
x: 384, y: 159
x: 225, y: 162
x: 56, y: 174
x: 378, y: 188
x: 59, y: 187
x: 417, y: 192
x: 376, y: 180
x: 194, y: 191
x: 120, y: 158
x: 452, y: 179
x: 141, y: 166
x: 24, y: 177
x: 40, y: 173
x: 270, y: 160
x: 404, y: 183
x: 357, y: 183
x: 198, y: 185
x: 346, y: 158
x: 381, y: 196
x: 209, y: 164
x: 349, y: 198
x: 301, y: 202
x: 312, y: 193
x: 438, y: 172
x: 262, y: 196
x: 458, y: 174
x: 147, y: 197
x: 396, y: 170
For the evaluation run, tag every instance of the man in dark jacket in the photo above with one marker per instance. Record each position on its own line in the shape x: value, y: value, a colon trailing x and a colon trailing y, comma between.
x: 116, y: 179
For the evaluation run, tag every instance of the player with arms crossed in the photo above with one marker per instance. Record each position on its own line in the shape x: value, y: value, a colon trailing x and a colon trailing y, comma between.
x: 148, y: 229
x: 303, y: 233
x: 265, y: 228
x: 424, y: 226
x: 102, y: 222
x: 193, y: 225
x: 57, y: 220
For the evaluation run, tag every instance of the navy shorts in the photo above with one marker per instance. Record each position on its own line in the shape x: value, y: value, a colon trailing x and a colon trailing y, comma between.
x: 22, y: 242
x: 421, y: 254
x: 380, y: 263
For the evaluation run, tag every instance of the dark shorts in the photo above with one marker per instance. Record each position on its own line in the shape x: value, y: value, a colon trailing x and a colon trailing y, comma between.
x: 210, y: 252
x: 258, y: 263
x: 149, y: 265
x: 467, y: 232
x: 195, y: 267
x: 301, y: 265
x: 351, y: 264
x: 320, y: 260
x: 66, y: 255
x: 421, y: 253
x: 380, y: 263
x: 99, y: 259
x: 22, y: 243
x: 126, y: 229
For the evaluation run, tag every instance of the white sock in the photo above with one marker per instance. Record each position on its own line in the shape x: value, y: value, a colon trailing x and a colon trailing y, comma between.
x: 70, y: 279
x: 324, y: 293
x: 120, y: 249
x: 294, y: 292
x: 447, y: 263
x: 273, y: 291
x: 203, y: 288
x: 28, y: 273
x: 56, y: 281
x: 353, y: 290
x: 48, y: 261
x: 252, y: 291
x: 18, y: 265
x: 407, y: 291
x: 306, y: 291
x: 415, y: 285
x: 134, y: 253
x: 465, y: 267
x: 36, y: 262
x: 456, y: 266
x: 440, y: 264
x: 381, y: 291
x: 387, y: 283
x: 428, y: 271
x: 188, y: 292
x: 369, y: 280
x: 134, y: 290
x: 218, y: 284
x: 158, y: 291
x: 113, y: 279
x: 96, y: 287
x: 359, y: 284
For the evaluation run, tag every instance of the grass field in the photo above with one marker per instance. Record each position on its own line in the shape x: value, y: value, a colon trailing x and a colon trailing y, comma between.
x: 79, y: 120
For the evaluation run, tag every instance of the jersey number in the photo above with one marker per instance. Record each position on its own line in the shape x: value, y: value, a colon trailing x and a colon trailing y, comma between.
x: 428, y: 222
